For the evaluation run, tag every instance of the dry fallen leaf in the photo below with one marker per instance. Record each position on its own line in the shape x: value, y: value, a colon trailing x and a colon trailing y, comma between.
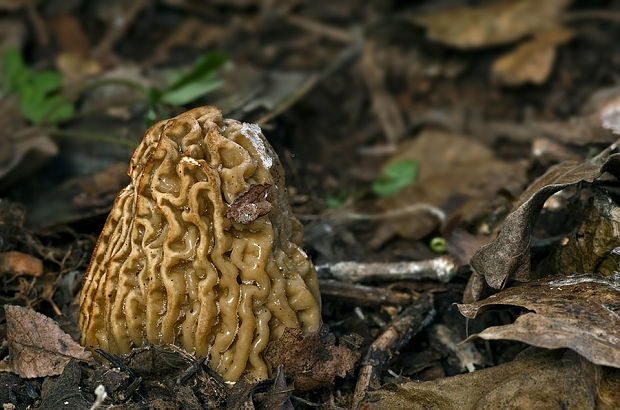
x: 456, y: 173
x: 311, y: 360
x: 250, y: 205
x: 580, y: 312
x: 38, y: 347
x: 23, y: 149
x: 610, y: 115
x: 508, y: 255
x: 19, y: 263
x: 536, y: 379
x: 532, y: 61
x: 590, y: 248
x: 491, y: 24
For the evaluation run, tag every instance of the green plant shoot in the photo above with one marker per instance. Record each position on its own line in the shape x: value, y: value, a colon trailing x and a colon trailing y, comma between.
x: 39, y: 94
x: 395, y: 176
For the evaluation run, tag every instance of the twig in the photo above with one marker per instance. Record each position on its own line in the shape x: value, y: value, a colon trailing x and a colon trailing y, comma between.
x: 410, y: 321
x: 331, y: 32
x: 442, y: 268
x: 39, y: 24
x: 362, y: 295
x: 345, y: 57
x: 592, y: 15
x: 191, y: 370
x: 466, y: 353
x: 119, y: 26
x: 383, y: 105
x: 344, y: 214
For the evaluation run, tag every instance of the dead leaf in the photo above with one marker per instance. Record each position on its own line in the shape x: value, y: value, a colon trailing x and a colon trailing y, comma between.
x: 491, y: 24
x: 18, y: 263
x: 12, y: 33
x: 9, y: 5
x: 250, y: 205
x: 532, y: 61
x: 610, y: 115
x: 591, y: 248
x: 580, y: 312
x: 536, y: 379
x: 457, y: 175
x: 312, y: 360
x: 508, y: 255
x: 37, y: 346
x: 279, y: 395
x: 22, y: 149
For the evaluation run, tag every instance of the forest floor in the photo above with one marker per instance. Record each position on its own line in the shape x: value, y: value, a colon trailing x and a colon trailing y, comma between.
x: 454, y: 164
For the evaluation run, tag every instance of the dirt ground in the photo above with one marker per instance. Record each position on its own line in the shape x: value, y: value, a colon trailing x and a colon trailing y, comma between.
x: 454, y: 164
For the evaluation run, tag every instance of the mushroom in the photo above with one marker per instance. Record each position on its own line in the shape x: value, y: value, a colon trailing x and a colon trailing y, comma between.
x: 201, y: 249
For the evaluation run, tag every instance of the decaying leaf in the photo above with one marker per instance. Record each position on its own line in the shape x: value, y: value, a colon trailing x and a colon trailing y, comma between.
x: 508, y: 255
x: 536, y: 379
x: 592, y: 247
x: 22, y: 149
x: 494, y: 23
x: 19, y: 263
x: 279, y: 395
x: 250, y: 205
x: 532, y: 61
x: 312, y: 360
x: 37, y: 346
x: 580, y: 312
x: 610, y: 115
x: 456, y: 174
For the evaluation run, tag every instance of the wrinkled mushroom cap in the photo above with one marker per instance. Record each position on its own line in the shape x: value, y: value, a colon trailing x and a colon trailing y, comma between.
x: 171, y: 268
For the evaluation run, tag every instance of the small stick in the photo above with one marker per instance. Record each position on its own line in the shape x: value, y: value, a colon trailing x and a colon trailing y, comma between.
x: 332, y: 32
x: 362, y: 295
x: 442, y: 268
x: 466, y: 353
x: 407, y: 324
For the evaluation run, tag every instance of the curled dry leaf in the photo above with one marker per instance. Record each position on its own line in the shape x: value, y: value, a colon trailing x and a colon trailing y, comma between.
x: 37, y: 345
x: 311, y: 360
x: 535, y: 379
x: 580, y: 312
x: 492, y: 24
x: 508, y: 255
x: 592, y: 247
x: 532, y: 61
x: 250, y: 205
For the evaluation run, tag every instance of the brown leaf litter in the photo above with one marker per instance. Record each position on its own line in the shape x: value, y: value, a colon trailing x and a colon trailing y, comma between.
x: 537, y: 378
x: 580, y: 312
x: 250, y: 205
x: 508, y: 256
x: 37, y: 345
x: 312, y: 360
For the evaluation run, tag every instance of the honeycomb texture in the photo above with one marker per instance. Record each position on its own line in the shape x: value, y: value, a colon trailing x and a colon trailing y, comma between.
x: 170, y: 268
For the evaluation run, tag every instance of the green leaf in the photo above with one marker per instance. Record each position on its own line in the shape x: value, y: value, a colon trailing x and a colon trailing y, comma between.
x: 47, y: 81
x: 395, y: 176
x: 205, y: 66
x: 191, y: 91
x: 337, y: 201
x: 198, y: 81
x: 37, y: 106
x: 14, y: 73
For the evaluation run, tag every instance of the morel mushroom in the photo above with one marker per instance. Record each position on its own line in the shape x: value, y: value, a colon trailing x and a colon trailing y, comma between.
x: 186, y: 257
